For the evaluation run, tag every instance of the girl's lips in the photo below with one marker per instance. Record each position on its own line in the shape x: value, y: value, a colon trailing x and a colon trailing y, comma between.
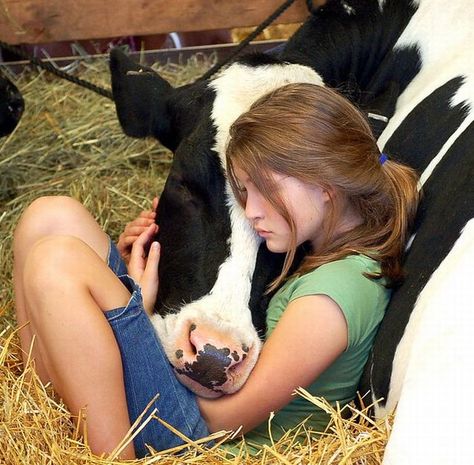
x: 263, y: 233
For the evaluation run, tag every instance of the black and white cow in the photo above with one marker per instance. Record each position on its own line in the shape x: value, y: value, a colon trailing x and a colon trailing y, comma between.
x: 409, y: 64
x: 11, y: 106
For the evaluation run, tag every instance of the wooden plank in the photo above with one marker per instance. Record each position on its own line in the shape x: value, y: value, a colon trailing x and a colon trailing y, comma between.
x: 41, y: 21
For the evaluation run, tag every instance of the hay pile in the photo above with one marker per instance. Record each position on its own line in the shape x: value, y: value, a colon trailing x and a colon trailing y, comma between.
x: 69, y: 142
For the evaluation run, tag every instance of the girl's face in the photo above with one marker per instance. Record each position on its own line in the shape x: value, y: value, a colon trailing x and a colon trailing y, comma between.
x: 307, y: 205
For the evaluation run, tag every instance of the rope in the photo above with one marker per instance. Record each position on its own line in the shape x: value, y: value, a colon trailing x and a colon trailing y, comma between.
x: 48, y: 66
x: 281, y: 9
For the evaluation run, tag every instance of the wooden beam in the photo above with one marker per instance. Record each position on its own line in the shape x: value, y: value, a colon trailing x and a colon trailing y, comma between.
x: 42, y: 21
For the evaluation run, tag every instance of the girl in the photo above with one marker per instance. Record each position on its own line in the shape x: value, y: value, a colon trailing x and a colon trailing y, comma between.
x: 304, y: 165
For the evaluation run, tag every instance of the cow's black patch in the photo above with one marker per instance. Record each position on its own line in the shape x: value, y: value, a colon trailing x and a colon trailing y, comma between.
x: 388, y: 82
x: 448, y: 204
x: 187, y: 107
x: 428, y: 126
x: 259, y: 59
x: 209, y: 368
x: 194, y: 220
x: 268, y: 266
x: 354, y: 53
x: 348, y: 50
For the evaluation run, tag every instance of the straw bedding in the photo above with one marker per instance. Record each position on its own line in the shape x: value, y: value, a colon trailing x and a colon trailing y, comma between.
x: 69, y: 142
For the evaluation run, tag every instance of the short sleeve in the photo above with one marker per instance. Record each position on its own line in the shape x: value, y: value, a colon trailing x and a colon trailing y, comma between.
x: 362, y: 300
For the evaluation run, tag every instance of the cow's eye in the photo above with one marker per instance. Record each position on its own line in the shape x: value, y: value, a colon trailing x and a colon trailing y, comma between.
x: 179, y: 188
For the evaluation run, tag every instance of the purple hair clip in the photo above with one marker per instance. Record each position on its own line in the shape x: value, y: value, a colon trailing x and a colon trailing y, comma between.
x: 383, y: 158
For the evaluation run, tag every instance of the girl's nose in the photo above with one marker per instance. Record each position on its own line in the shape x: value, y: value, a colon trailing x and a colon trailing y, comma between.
x: 253, y: 210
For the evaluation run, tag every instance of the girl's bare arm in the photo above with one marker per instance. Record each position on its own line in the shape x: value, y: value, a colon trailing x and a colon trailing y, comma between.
x: 309, y: 337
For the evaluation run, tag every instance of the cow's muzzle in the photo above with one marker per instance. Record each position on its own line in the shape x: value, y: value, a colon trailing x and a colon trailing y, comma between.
x: 213, y: 363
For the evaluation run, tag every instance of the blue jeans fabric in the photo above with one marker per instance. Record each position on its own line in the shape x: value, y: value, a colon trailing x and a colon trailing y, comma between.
x: 147, y: 372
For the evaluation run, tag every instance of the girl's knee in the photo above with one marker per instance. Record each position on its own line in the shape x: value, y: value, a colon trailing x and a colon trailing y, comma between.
x: 50, y: 211
x: 57, y: 216
x: 46, y: 216
x: 51, y: 262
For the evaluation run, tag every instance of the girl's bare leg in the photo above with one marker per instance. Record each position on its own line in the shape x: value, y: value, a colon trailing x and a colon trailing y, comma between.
x: 62, y: 285
x: 44, y: 217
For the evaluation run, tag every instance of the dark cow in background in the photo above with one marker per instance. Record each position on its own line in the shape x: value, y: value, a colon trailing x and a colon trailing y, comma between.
x: 11, y: 106
x: 409, y: 64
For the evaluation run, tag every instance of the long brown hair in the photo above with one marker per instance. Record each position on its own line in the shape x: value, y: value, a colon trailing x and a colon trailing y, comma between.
x: 314, y: 134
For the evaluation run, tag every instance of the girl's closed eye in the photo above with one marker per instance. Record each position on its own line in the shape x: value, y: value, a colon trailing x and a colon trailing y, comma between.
x: 241, y: 193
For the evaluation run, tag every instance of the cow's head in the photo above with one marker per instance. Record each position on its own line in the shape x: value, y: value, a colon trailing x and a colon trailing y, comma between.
x: 208, y: 270
x: 11, y: 106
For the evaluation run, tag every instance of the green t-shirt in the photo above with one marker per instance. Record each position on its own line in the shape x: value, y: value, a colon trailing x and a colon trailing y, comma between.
x: 363, y: 302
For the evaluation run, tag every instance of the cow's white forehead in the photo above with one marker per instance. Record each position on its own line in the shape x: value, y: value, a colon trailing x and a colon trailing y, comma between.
x: 240, y: 85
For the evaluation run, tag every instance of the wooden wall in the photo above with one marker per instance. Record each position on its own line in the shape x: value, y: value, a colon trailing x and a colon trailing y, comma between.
x: 40, y: 21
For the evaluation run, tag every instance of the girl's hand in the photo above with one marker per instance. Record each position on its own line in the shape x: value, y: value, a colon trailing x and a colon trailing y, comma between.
x: 134, y: 229
x: 143, y: 269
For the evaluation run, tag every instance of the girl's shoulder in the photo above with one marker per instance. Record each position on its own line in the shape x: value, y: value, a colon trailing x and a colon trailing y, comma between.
x: 362, y: 299
x: 349, y: 271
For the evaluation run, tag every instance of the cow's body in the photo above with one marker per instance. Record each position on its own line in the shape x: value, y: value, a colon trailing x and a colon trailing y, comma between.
x: 11, y: 106
x: 410, y: 66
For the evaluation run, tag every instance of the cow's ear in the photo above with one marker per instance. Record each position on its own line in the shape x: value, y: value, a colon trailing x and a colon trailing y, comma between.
x: 141, y: 98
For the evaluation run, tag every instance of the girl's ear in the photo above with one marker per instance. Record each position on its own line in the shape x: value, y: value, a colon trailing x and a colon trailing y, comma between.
x: 329, y: 194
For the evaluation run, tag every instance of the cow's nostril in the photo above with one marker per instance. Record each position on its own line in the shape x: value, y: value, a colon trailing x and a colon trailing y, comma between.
x: 235, y: 356
x: 192, y: 345
x: 193, y: 349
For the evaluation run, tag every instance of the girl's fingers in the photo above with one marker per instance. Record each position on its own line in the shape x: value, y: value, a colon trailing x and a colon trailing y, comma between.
x: 147, y: 234
x: 141, y: 222
x: 144, y: 238
x: 129, y: 240
x: 155, y: 204
x: 149, y: 214
x: 138, y: 254
x: 137, y: 257
x: 144, y: 270
x: 149, y: 281
x: 138, y: 247
x: 151, y: 268
x: 136, y: 230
